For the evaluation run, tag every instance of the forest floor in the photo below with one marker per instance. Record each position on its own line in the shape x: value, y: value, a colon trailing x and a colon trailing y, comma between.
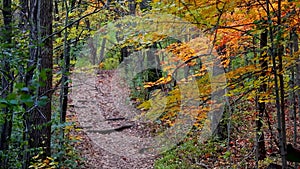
x: 108, y: 138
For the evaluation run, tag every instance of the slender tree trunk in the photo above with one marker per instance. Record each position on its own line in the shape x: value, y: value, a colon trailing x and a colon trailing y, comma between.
x: 276, y: 50
x: 295, y: 46
x: 293, y: 82
x: 6, y: 83
x: 102, y: 50
x: 93, y: 51
x: 64, y: 82
x: 65, y: 71
x: 261, y: 150
x: 280, y: 49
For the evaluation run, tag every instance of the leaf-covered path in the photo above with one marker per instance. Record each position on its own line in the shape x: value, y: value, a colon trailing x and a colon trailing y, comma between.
x: 110, y: 140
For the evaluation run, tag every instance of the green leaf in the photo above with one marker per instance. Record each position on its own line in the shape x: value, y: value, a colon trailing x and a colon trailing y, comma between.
x: 3, y: 103
x: 43, y: 101
x: 13, y: 102
x: 43, y: 74
x: 19, y: 85
x: 227, y: 154
x: 27, y: 99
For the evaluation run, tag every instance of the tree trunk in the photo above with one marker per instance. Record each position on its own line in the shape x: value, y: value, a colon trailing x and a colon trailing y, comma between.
x: 65, y: 71
x: 261, y: 150
x: 296, y: 49
x: 102, y: 50
x: 41, y: 59
x: 93, y: 51
x: 6, y: 85
x: 276, y: 50
x: 279, y: 52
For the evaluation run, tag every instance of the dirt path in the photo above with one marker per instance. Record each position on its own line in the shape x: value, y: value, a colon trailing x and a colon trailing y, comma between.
x: 111, y: 139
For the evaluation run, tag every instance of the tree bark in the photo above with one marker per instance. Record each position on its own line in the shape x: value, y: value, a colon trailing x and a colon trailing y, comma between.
x: 261, y: 150
x: 65, y: 71
x: 41, y: 59
x: 295, y: 47
x: 276, y: 51
x: 279, y: 52
x: 6, y: 84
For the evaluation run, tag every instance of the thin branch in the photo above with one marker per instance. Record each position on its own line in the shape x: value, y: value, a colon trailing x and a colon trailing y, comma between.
x: 186, y: 6
x: 262, y: 5
x: 71, y: 23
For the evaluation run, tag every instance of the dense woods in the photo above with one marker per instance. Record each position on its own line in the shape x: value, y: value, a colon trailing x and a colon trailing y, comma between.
x: 231, y: 67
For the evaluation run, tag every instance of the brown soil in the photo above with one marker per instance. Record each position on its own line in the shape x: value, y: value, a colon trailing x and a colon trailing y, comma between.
x: 110, y: 138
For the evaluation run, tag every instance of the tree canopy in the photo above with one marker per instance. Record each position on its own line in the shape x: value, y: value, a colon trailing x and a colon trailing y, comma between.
x: 225, y: 73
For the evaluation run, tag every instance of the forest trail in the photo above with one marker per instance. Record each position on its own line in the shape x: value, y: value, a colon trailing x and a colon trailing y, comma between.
x: 109, y: 138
